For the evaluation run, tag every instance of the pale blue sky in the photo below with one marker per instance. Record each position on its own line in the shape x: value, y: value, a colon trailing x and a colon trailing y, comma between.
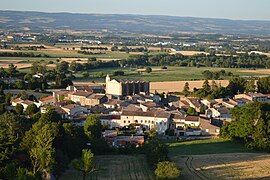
x: 232, y: 9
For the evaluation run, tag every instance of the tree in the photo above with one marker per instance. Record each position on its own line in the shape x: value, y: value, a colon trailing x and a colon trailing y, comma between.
x: 42, y: 152
x: 50, y: 116
x: 186, y: 89
x: 12, y: 70
x: 250, y: 124
x: 192, y: 112
x: 206, y: 87
x: 214, y: 86
x: 38, y: 142
x: 85, y: 164
x: 156, y: 151
x: 167, y: 170
x: 9, y: 137
x: 19, y: 109
x: 250, y: 86
x: 264, y: 85
x: 62, y: 67
x: 93, y: 127
x: 237, y: 85
x: 20, y: 84
x: 148, y: 70
x: 31, y: 109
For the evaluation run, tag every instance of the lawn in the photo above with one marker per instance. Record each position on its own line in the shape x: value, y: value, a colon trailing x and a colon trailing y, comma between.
x: 120, y: 167
x: 209, y: 146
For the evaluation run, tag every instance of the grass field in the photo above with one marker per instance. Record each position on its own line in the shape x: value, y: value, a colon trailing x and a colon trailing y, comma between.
x: 210, y: 146
x: 219, y: 159
x: 171, y: 74
x: 116, y: 167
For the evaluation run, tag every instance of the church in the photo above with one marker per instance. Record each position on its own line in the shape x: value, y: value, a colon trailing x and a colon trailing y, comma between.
x: 120, y: 88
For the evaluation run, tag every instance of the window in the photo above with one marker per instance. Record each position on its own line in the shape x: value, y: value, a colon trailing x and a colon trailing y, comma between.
x: 128, y: 121
x: 141, y: 121
x: 124, y: 121
x: 136, y: 121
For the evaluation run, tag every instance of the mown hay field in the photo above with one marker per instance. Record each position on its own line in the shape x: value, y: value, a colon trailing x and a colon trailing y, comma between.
x: 116, y: 167
x: 219, y: 159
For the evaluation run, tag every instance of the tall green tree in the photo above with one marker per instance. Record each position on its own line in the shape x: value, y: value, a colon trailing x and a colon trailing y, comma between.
x: 186, y: 91
x: 93, y: 127
x: 85, y: 164
x: 38, y: 142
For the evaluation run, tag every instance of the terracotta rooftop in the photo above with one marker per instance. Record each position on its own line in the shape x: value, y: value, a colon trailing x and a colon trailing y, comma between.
x: 48, y: 98
x: 192, y: 118
x: 70, y: 106
x: 82, y: 93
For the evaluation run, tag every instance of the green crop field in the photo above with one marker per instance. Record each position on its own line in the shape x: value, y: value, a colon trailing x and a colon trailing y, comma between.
x: 120, y: 167
x: 209, y: 146
x: 171, y: 74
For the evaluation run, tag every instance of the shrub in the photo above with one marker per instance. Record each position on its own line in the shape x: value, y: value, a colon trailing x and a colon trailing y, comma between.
x: 167, y: 170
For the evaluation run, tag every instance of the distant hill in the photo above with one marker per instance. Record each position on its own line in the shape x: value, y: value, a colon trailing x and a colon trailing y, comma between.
x: 39, y: 21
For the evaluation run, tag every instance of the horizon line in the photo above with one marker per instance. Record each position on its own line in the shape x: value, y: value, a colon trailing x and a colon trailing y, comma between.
x: 134, y: 14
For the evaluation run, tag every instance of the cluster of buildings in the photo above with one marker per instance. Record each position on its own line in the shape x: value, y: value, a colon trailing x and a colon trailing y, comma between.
x: 126, y: 104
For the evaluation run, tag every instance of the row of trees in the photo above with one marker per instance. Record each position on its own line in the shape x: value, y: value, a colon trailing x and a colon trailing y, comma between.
x: 237, y: 85
x: 240, y: 61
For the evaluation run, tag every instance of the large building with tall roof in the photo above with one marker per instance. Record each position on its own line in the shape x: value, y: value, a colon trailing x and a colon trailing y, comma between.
x: 120, y: 88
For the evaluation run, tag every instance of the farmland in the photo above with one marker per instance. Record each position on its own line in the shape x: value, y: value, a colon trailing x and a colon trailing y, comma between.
x: 170, y: 74
x: 219, y: 159
x: 120, y: 167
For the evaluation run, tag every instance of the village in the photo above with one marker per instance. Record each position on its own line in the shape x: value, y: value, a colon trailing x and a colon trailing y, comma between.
x: 127, y: 110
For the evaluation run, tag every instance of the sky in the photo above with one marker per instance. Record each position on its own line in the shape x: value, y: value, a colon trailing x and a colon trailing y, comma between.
x: 229, y: 9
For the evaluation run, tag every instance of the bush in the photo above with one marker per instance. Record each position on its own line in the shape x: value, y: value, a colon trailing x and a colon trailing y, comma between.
x: 148, y: 70
x: 167, y: 170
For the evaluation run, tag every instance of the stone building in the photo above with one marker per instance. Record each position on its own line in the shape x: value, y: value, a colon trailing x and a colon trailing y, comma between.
x: 119, y: 88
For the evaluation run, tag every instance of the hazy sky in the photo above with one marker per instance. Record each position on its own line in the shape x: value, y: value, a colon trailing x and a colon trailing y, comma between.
x: 232, y: 9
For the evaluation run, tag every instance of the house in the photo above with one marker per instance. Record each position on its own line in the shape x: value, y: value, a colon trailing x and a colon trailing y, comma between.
x: 49, y: 100
x: 155, y: 119
x: 85, y: 88
x: 79, y: 97
x: 149, y: 105
x: 74, y: 110
x: 60, y: 95
x: 186, y: 102
x: 95, y: 99
x: 113, y: 104
x: 221, y: 113
x: 16, y: 101
x: 192, y: 121
x: 208, y: 128
x: 255, y: 97
x: 120, y: 88
x: 79, y: 88
x: 24, y: 103
x: 112, y: 121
